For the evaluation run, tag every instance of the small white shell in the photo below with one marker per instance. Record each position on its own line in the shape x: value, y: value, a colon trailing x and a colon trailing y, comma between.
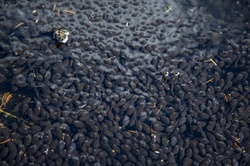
x: 61, y: 35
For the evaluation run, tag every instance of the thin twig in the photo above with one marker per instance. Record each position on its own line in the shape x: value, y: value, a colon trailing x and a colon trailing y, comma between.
x: 69, y: 11
x: 211, y: 80
x: 54, y: 7
x: 5, y: 141
x: 18, y: 25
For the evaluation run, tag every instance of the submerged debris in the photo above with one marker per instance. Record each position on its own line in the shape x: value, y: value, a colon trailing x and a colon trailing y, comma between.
x: 62, y: 35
